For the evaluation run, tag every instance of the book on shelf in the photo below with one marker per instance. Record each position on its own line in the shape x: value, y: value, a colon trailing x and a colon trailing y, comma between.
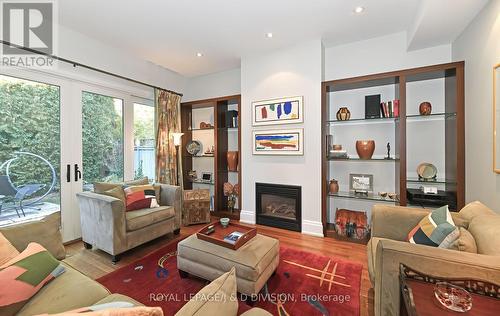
x: 389, y: 109
x: 233, y: 237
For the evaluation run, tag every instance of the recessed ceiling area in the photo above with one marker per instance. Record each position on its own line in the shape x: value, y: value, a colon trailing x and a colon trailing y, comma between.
x: 172, y: 33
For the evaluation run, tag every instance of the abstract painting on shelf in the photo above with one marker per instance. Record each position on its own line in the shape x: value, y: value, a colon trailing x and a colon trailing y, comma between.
x: 278, y: 111
x: 278, y: 142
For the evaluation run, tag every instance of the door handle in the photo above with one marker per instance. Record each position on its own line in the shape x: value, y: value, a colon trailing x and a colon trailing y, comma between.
x: 68, y: 173
x: 78, y: 173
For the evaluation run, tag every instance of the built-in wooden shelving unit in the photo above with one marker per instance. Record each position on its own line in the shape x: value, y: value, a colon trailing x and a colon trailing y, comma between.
x: 414, y: 138
x: 223, y: 138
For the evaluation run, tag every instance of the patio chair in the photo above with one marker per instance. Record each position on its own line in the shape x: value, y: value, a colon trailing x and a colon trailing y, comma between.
x: 9, y: 193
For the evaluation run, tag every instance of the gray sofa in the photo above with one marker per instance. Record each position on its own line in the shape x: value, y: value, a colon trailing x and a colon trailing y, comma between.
x: 106, y: 225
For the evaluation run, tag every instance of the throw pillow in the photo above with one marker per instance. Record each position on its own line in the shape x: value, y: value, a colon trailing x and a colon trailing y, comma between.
x: 139, y: 197
x: 7, y: 251
x: 217, y: 298
x: 436, y: 229
x: 23, y: 276
x: 116, y: 192
x: 465, y: 242
x: 45, y: 231
x: 101, y: 187
x: 474, y: 209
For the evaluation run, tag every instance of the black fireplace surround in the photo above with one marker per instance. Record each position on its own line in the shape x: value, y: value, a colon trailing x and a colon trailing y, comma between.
x: 279, y: 205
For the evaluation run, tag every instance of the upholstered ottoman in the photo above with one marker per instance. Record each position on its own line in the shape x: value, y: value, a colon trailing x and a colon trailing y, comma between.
x: 255, y: 261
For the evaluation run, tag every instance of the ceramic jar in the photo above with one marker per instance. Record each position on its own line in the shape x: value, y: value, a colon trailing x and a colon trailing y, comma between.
x: 334, y: 186
x: 343, y: 114
x: 232, y: 160
x: 425, y: 108
x: 365, y: 148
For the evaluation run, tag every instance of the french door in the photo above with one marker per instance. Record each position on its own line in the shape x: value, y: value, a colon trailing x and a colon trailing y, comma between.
x: 57, y: 137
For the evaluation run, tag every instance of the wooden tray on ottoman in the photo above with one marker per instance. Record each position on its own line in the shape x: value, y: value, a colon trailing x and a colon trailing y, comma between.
x: 217, y: 237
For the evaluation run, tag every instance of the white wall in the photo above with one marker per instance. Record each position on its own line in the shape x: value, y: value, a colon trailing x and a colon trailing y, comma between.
x: 381, y: 54
x: 479, y: 46
x: 213, y: 85
x: 86, y: 50
x: 295, y: 71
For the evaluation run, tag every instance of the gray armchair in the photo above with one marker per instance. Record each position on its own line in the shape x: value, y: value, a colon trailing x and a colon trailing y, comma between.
x: 106, y: 225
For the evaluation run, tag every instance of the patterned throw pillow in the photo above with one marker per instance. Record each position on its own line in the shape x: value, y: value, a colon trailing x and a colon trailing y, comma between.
x: 139, y: 197
x: 7, y: 250
x: 23, y: 276
x: 436, y: 229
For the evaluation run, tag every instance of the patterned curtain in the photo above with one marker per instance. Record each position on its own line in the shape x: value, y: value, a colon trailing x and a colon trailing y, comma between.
x: 168, y: 121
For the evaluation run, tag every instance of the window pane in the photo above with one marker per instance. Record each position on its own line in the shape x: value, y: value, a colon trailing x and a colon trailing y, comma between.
x: 29, y: 149
x: 144, y: 141
x: 102, y: 133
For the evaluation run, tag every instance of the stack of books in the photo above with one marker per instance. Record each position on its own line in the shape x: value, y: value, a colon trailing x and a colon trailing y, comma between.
x: 339, y: 154
x: 390, y: 108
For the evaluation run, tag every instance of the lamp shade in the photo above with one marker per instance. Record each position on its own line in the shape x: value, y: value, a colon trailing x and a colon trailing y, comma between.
x: 177, y: 138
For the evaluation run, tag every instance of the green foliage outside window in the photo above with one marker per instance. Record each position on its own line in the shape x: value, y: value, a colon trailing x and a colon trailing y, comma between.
x: 30, y: 121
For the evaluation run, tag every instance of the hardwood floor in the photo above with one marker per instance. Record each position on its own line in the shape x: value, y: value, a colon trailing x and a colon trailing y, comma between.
x: 96, y: 263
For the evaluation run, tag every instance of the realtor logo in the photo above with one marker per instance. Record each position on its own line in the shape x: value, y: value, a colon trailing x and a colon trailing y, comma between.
x: 29, y: 25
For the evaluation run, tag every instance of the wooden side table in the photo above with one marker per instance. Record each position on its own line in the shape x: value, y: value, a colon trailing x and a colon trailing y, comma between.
x: 417, y: 295
x: 196, y: 207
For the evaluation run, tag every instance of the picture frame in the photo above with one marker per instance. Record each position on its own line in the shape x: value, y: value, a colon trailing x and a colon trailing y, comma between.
x: 289, y: 142
x: 278, y: 111
x: 360, y: 183
x: 206, y: 176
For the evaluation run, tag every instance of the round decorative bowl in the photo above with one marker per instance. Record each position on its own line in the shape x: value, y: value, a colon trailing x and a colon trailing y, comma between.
x: 365, y: 148
x: 193, y: 147
x: 426, y: 171
x: 453, y: 297
x: 224, y: 222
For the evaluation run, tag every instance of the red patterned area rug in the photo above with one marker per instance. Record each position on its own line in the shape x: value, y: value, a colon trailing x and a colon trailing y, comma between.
x: 304, y: 284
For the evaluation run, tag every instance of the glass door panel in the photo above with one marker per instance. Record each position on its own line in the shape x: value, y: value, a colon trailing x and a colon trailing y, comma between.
x: 29, y: 149
x: 102, y: 139
x: 144, y: 141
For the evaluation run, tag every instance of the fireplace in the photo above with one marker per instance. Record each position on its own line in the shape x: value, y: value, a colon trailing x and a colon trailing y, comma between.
x: 279, y: 205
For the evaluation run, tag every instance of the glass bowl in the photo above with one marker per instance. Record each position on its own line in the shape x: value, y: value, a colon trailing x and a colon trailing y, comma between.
x: 453, y: 297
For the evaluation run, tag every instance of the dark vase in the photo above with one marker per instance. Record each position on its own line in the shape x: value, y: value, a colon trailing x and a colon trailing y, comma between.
x: 425, y: 108
x: 365, y: 148
x: 343, y: 114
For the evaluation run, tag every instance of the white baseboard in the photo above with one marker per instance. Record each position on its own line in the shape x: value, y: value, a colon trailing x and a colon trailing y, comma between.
x: 247, y: 217
x: 312, y: 228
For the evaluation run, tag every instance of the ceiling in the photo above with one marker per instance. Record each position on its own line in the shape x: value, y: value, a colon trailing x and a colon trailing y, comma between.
x: 170, y: 32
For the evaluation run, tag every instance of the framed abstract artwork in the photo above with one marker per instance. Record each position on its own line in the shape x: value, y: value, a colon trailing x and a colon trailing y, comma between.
x: 278, y: 111
x: 278, y: 142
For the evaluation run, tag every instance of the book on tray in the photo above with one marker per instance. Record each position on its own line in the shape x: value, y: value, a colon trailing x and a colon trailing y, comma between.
x: 233, y: 237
